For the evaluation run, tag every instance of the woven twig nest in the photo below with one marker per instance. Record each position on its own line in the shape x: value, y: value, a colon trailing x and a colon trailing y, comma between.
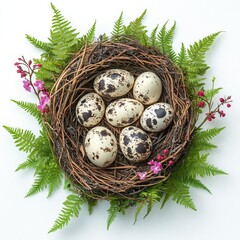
x: 68, y: 135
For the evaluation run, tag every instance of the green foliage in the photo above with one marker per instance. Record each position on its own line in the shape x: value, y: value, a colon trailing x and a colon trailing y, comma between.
x: 137, y: 30
x: 117, y: 205
x: 31, y: 108
x: 165, y: 40
x: 24, y: 139
x: 71, y: 208
x: 118, y: 28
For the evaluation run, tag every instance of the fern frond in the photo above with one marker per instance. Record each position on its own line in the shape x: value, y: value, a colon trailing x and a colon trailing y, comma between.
x: 137, y: 30
x: 55, y: 177
x: 118, y: 28
x: 116, y: 206
x: 207, y: 135
x: 153, y: 38
x: 39, y: 184
x: 165, y: 40
x: 182, y: 196
x: 39, y: 44
x: 24, y: 139
x: 139, y: 208
x: 30, y: 163
x: 197, y: 51
x: 30, y: 108
x: 71, y: 208
x: 182, y: 57
x: 89, y: 37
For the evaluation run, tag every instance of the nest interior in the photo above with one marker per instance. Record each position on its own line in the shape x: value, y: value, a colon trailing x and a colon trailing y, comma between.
x: 68, y: 135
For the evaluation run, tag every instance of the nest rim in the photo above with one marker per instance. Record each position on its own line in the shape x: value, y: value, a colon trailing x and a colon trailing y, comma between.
x: 68, y: 136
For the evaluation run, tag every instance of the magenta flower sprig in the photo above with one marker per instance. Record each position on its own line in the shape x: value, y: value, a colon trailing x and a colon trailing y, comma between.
x: 211, y: 112
x: 26, y: 69
x: 156, y: 164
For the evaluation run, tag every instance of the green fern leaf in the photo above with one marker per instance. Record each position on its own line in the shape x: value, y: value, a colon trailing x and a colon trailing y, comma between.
x: 113, y: 211
x: 182, y: 57
x: 207, y: 135
x: 30, y: 163
x: 139, y: 208
x: 137, y: 30
x: 118, y: 28
x: 165, y: 39
x: 39, y: 184
x: 71, y: 208
x: 197, y: 51
x: 39, y: 44
x: 182, y: 196
x: 24, y: 139
x: 153, y: 38
x: 55, y: 177
x: 196, y: 183
x: 89, y: 37
x: 31, y: 108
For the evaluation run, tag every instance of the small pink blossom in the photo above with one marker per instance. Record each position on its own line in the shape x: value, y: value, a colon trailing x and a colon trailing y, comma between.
x: 44, y: 100
x: 228, y: 105
x: 222, y: 100
x: 160, y: 157
x: 37, y: 66
x: 170, y: 162
x: 27, y: 85
x: 222, y: 113
x: 200, y: 93
x: 142, y: 175
x: 156, y: 167
x: 23, y: 74
x: 151, y: 162
x: 40, y: 85
x: 165, y: 152
x: 201, y: 104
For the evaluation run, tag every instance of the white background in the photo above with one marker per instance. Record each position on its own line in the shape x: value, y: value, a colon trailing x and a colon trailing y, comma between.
x: 218, y: 214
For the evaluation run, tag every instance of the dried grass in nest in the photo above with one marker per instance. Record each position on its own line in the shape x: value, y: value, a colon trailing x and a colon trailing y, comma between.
x: 77, y: 80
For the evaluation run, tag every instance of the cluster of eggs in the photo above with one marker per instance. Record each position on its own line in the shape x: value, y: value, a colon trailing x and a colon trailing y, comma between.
x: 100, y: 143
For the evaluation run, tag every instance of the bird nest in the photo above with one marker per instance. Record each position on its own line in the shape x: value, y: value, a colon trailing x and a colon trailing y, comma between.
x: 76, y: 80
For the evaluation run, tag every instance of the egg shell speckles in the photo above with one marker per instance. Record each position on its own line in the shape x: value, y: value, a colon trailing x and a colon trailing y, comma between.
x: 123, y: 112
x: 157, y: 117
x: 100, y: 146
x: 147, y: 88
x: 90, y: 110
x: 113, y: 83
x: 135, y: 144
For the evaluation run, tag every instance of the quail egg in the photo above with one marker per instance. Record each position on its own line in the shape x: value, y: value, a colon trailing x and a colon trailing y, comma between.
x: 147, y: 88
x: 113, y: 83
x: 135, y: 144
x: 123, y: 112
x: 100, y: 146
x: 157, y: 117
x: 90, y: 110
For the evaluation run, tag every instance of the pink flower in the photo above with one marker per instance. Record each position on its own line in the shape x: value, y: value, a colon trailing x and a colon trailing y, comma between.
x: 222, y: 113
x: 200, y: 93
x: 201, y: 104
x: 37, y: 66
x: 160, y: 157
x: 210, y: 116
x: 27, y: 85
x: 39, y: 84
x: 165, y: 152
x: 170, y: 162
x: 156, y: 167
x: 23, y: 74
x: 44, y: 100
x: 142, y: 175
x: 228, y: 105
x: 221, y: 100
x: 151, y: 162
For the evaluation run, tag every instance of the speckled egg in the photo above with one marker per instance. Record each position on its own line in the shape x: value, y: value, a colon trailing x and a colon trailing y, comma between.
x: 123, y: 112
x: 90, y: 110
x: 100, y: 146
x: 113, y: 83
x: 157, y: 117
x: 135, y: 144
x: 147, y: 88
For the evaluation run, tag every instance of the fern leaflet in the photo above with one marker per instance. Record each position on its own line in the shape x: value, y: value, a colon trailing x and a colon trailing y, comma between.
x: 71, y: 208
x: 118, y: 28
